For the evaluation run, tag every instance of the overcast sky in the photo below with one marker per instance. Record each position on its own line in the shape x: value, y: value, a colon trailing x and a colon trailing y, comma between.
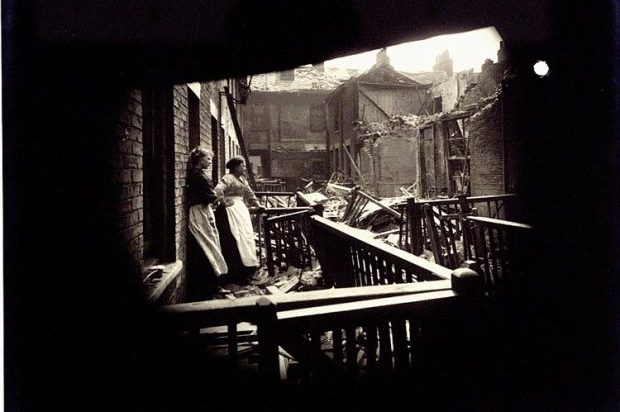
x: 467, y: 50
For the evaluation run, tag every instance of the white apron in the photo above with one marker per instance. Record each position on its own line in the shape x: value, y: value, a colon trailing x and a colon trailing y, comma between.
x: 241, y: 227
x: 202, y: 226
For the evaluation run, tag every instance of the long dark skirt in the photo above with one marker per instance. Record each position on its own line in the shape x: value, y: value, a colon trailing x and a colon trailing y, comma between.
x: 201, y: 279
x: 237, y: 272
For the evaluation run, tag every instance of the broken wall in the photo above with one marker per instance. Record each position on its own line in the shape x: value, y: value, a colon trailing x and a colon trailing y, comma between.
x: 487, y: 151
x: 367, y: 166
x: 453, y: 88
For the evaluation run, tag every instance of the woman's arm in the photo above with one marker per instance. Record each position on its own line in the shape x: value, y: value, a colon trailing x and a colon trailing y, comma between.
x: 221, y: 189
x: 250, y: 196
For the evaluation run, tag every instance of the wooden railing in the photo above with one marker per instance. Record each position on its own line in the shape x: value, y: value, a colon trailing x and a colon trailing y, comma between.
x: 295, y: 205
x: 270, y: 186
x: 391, y: 325
x: 500, y: 248
x: 276, y: 198
x: 351, y: 257
x: 285, y: 241
x: 416, y: 234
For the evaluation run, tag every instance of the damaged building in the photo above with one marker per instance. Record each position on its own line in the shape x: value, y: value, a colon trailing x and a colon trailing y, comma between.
x: 284, y: 122
x: 101, y: 114
x: 374, y: 96
x: 426, y: 152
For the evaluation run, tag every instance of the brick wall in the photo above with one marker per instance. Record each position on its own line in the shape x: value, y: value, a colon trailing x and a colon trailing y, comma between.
x: 181, y: 151
x: 127, y: 151
x: 487, y: 151
x: 127, y: 162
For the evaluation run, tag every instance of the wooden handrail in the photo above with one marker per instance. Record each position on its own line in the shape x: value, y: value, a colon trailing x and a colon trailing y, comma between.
x: 286, y: 216
x: 396, y: 256
x: 273, y: 193
x: 222, y: 312
x: 498, y: 223
x: 417, y: 231
x: 351, y: 309
x: 270, y: 211
x: 470, y: 199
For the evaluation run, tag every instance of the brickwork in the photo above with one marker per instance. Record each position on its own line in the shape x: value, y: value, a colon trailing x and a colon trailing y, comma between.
x: 181, y: 151
x: 127, y: 162
x: 487, y: 151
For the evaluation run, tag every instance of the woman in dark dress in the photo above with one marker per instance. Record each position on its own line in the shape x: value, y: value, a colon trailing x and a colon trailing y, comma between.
x: 205, y: 260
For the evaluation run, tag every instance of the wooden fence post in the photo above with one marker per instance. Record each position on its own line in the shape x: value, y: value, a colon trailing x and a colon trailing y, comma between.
x: 414, y: 220
x: 268, y: 362
x: 268, y: 250
x: 467, y: 282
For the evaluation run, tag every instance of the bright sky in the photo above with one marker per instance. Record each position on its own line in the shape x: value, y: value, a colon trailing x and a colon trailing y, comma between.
x: 467, y: 50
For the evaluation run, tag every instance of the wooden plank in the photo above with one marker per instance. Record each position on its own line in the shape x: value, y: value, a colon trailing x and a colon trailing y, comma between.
x: 381, y: 205
x: 351, y: 348
x: 273, y: 193
x: 219, y: 312
x: 232, y: 344
x: 337, y: 346
x: 401, y: 350
x: 375, y: 104
x: 288, y: 286
x: 499, y: 223
x: 311, y: 314
x: 372, y: 345
x: 385, y: 346
x: 274, y: 290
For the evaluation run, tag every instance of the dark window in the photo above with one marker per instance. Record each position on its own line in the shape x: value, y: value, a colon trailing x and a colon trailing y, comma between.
x: 158, y: 201
x: 259, y: 116
x: 437, y: 104
x: 317, y: 117
x: 287, y: 75
x: 193, y: 118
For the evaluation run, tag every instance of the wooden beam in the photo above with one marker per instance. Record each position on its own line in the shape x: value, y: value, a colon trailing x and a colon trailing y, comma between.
x: 381, y: 205
x: 373, y: 103
x: 221, y: 312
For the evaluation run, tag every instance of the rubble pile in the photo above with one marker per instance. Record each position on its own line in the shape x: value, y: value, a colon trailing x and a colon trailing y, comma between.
x: 334, y: 207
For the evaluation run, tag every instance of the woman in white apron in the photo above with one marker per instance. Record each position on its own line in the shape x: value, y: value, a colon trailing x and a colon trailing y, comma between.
x: 234, y: 222
x: 205, y: 260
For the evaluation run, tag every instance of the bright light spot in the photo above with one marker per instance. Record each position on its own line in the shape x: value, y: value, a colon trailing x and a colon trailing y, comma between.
x: 541, y: 68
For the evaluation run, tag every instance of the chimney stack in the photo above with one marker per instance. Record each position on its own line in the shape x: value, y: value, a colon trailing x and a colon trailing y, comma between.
x: 382, y: 58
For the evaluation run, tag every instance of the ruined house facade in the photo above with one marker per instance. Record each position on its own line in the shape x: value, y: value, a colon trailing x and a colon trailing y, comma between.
x: 157, y: 128
x: 372, y: 97
x: 452, y: 142
x: 284, y: 124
